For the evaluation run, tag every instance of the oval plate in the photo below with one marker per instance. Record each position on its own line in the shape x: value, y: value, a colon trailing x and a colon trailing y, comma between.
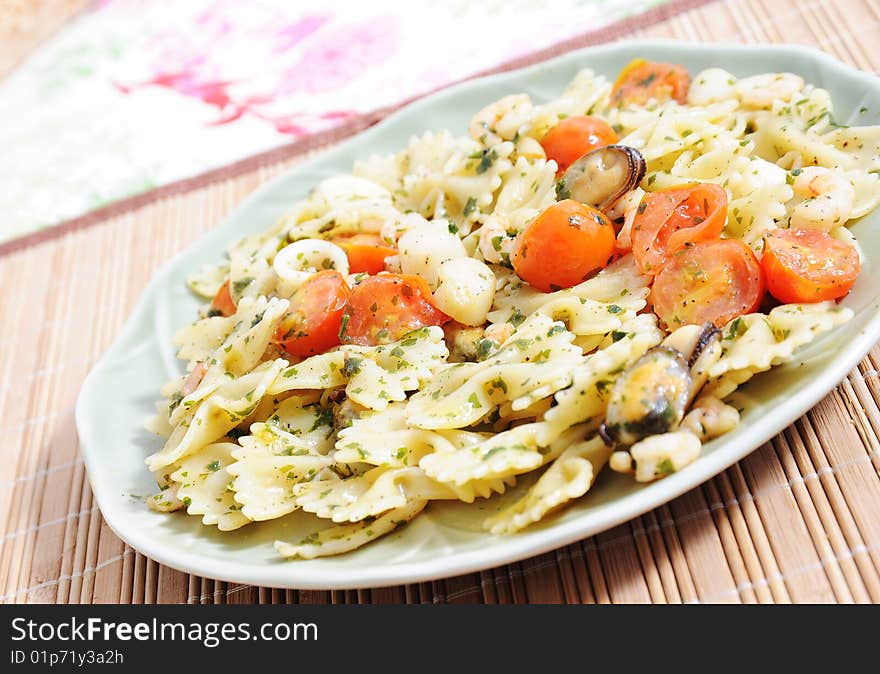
x: 446, y: 539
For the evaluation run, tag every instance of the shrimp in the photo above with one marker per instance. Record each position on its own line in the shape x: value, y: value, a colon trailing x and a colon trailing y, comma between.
x: 497, y: 239
x: 760, y: 91
x: 828, y: 199
x: 626, y: 207
x: 194, y: 378
x: 499, y: 332
x: 709, y: 418
x: 501, y: 120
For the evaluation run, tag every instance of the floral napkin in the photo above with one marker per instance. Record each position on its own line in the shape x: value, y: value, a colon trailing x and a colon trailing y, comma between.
x: 135, y: 94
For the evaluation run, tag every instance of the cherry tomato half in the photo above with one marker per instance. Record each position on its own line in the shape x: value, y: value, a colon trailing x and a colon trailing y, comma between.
x: 563, y: 246
x: 642, y: 80
x: 222, y: 303
x: 312, y: 324
x: 383, y: 308
x: 669, y: 219
x: 713, y: 281
x: 807, y: 265
x: 366, y: 252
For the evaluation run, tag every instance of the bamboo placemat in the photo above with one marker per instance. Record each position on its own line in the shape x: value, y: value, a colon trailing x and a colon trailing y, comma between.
x: 24, y: 24
x: 796, y: 521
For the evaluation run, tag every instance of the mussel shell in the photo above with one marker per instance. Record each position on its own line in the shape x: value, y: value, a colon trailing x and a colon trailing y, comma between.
x: 602, y: 176
x: 701, y: 346
x: 650, y: 397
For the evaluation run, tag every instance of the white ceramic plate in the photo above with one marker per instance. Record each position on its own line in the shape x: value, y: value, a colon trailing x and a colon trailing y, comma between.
x: 446, y: 539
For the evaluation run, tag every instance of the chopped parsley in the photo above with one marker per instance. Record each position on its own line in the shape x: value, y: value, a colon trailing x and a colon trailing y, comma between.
x: 346, y: 317
x: 175, y: 401
x: 665, y: 467
x: 485, y: 347
x: 487, y: 158
x: 562, y: 191
x: 498, y: 384
x: 323, y: 418
x: 239, y: 285
x: 351, y: 366
x: 736, y: 328
x: 517, y: 317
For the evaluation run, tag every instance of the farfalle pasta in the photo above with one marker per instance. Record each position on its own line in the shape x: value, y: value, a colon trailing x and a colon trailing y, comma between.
x: 570, y: 284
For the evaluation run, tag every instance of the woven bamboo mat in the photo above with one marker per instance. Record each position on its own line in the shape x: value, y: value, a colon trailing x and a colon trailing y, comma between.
x: 796, y: 521
x: 24, y: 24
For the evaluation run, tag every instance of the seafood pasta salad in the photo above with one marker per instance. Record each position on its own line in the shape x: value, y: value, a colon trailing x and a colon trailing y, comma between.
x: 573, y: 284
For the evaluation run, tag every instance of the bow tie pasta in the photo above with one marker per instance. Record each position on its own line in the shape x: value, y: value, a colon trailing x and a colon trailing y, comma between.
x: 574, y: 283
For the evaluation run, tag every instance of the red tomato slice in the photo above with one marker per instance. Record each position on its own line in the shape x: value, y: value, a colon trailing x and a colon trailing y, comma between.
x: 713, y: 281
x: 642, y: 80
x: 312, y: 324
x: 573, y: 137
x: 670, y: 219
x: 807, y: 265
x: 366, y: 252
x: 222, y: 303
x: 563, y: 246
x: 383, y: 308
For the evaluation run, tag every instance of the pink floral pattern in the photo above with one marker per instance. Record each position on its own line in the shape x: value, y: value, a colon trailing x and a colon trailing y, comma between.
x: 271, y: 94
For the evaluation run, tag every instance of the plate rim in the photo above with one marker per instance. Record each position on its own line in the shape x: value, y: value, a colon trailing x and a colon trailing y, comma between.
x: 510, y: 548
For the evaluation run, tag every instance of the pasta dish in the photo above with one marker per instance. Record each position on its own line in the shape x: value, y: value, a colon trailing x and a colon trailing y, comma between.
x: 574, y: 284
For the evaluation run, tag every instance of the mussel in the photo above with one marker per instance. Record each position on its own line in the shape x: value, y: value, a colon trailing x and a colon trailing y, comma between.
x: 702, y: 344
x: 602, y: 176
x: 653, y: 394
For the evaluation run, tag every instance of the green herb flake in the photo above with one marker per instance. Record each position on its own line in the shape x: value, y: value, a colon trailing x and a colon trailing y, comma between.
x: 487, y: 158
x: 493, y: 451
x: 175, y: 401
x: 499, y: 384
x: 517, y: 317
x: 665, y: 467
x: 346, y: 317
x: 239, y: 285
x: 562, y: 191
x: 736, y: 328
x: 323, y: 418
x: 485, y: 348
